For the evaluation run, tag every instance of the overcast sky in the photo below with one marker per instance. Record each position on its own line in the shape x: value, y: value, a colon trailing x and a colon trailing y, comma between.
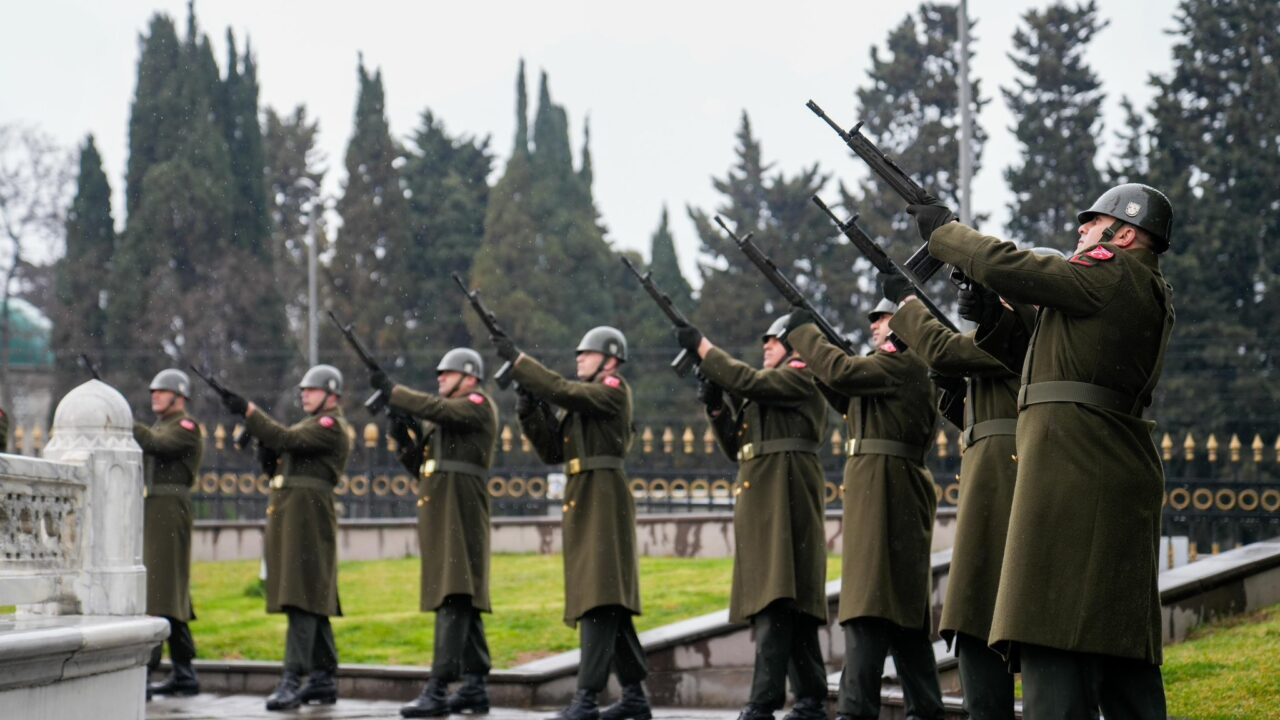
x: 663, y: 82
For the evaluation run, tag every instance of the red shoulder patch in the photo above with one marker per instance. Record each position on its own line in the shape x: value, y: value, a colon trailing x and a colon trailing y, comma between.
x: 797, y: 364
x: 1100, y: 253
x: 612, y: 381
x: 187, y: 424
x: 327, y: 422
x: 888, y: 346
x: 1079, y: 260
x: 476, y: 398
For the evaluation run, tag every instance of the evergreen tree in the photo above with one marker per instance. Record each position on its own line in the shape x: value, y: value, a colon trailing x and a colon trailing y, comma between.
x: 250, y: 215
x: 1131, y: 164
x: 1056, y: 104
x: 665, y: 265
x: 293, y: 179
x: 154, y: 115
x: 1214, y: 152
x: 79, y: 318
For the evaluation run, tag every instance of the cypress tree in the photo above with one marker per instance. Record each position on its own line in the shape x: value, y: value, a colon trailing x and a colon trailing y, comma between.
x: 1056, y: 103
x: 293, y: 179
x: 155, y: 113
x: 250, y: 219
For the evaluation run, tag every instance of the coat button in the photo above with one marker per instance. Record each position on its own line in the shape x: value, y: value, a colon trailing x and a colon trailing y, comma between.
x: 746, y: 485
x: 564, y: 508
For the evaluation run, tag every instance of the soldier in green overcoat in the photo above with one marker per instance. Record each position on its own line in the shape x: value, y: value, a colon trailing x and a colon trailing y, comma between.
x: 773, y: 426
x: 301, y: 544
x: 601, y: 574
x: 171, y: 453
x: 450, y: 452
x: 1078, y: 603
x: 987, y: 470
x: 889, y: 505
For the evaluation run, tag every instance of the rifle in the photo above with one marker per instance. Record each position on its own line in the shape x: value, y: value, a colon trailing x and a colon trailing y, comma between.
x: 503, y: 376
x: 88, y: 365
x: 376, y: 402
x: 922, y: 265
x: 242, y: 440
x: 685, y: 361
x: 784, y: 286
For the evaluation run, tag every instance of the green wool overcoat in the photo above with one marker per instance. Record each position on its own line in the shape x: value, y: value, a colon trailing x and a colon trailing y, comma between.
x: 172, y: 449
x: 302, y: 528
x: 599, y: 524
x: 453, y: 506
x: 988, y: 467
x: 1080, y: 561
x: 779, y: 538
x: 889, y: 502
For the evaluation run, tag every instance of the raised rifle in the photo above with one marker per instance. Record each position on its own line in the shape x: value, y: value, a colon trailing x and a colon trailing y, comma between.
x: 503, y: 376
x: 685, y: 361
x: 377, y: 402
x: 784, y: 286
x: 87, y: 362
x: 243, y: 439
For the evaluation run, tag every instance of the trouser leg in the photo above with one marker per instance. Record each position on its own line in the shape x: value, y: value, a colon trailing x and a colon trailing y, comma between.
x: 324, y: 649
x: 774, y: 629
x: 153, y: 662
x: 806, y: 671
x: 475, y: 654
x: 453, y: 624
x: 300, y: 641
x: 597, y: 636
x: 986, y: 680
x: 1056, y: 684
x: 628, y: 656
x: 917, y: 671
x: 182, y: 647
x: 1130, y: 689
x: 866, y: 643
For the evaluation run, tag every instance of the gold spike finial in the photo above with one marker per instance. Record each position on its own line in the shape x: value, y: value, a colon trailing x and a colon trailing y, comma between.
x: 1212, y: 446
x: 507, y: 436
x: 668, y: 440
x: 942, y: 442
x: 1166, y: 448
x: 837, y: 443
x: 708, y: 441
x: 1234, y: 446
x: 371, y: 435
x: 1189, y: 447
x: 687, y: 438
x: 646, y: 438
x: 1258, y: 446
x: 219, y: 437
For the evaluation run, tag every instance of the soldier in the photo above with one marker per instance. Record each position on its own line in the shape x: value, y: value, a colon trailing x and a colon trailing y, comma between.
x: 601, y: 576
x: 171, y: 452
x: 773, y: 426
x: 1078, y: 604
x: 452, y: 456
x: 889, y: 505
x: 302, y: 529
x: 987, y: 470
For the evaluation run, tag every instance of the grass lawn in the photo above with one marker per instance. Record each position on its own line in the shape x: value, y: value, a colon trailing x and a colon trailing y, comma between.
x: 382, y: 624
x: 1227, y: 669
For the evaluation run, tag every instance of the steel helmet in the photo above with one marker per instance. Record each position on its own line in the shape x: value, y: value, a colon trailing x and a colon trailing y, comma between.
x: 173, y: 380
x: 1138, y: 205
x: 605, y: 339
x: 323, y: 377
x: 463, y: 360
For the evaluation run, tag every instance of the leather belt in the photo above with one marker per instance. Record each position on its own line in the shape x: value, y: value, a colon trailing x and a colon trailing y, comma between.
x: 988, y: 428
x: 166, y: 491
x: 301, y: 481
x: 771, y: 447
x: 876, y: 446
x: 431, y: 467
x: 577, y: 466
x: 1067, y: 391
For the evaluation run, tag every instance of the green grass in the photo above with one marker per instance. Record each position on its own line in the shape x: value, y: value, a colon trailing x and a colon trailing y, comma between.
x: 382, y: 624
x: 1227, y: 669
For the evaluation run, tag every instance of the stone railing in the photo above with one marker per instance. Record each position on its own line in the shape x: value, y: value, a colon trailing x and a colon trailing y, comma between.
x: 71, y: 565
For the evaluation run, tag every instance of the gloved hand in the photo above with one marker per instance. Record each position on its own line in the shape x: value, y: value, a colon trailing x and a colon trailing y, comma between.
x: 979, y: 305
x: 235, y: 404
x: 930, y: 215
x: 268, y: 460
x: 710, y: 394
x: 506, y: 348
x: 398, y: 429
x: 799, y: 317
x: 895, y: 286
x: 689, y: 338
x: 380, y: 380
x: 525, y: 402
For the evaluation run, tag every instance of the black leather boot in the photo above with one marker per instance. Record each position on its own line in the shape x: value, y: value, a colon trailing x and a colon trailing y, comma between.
x: 321, y: 688
x: 755, y: 711
x: 582, y: 707
x: 285, y: 696
x: 807, y: 709
x: 181, y: 682
x: 430, y: 703
x: 633, y: 705
x: 471, y: 697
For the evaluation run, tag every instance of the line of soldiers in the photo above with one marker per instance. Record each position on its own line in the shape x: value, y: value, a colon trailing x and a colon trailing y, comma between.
x: 1054, y: 566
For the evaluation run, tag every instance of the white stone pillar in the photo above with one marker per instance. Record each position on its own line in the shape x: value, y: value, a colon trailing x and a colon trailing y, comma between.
x: 93, y: 426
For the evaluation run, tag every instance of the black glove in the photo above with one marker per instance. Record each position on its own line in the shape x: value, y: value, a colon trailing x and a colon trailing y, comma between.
x: 979, y: 305
x: 380, y: 380
x: 235, y: 404
x: 689, y: 338
x: 268, y: 459
x: 799, y: 316
x: 895, y: 286
x: 930, y: 216
x: 398, y: 429
x: 710, y: 394
x: 525, y: 402
x: 507, y: 349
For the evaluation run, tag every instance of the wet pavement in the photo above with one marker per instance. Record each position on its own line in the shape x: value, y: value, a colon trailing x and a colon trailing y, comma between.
x: 252, y: 706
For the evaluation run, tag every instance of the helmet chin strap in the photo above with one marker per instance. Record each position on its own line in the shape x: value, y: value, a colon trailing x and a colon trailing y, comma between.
x: 1111, y: 231
x: 599, y: 367
x: 173, y: 398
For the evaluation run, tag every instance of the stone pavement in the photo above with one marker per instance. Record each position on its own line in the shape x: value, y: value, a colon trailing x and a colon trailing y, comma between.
x: 211, y: 706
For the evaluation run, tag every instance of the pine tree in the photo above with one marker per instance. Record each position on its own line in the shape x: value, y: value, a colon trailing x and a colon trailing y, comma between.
x: 79, y: 318
x: 1056, y: 104
x: 1214, y: 152
x: 1131, y: 164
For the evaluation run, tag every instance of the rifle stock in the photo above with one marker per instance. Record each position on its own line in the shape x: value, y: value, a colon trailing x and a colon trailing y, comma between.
x: 503, y: 377
x: 685, y: 360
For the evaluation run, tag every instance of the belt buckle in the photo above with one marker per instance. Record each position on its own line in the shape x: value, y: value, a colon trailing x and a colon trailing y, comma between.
x: 428, y: 468
x: 277, y: 482
x: 850, y: 447
x: 146, y: 491
x: 574, y: 466
x: 746, y: 452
